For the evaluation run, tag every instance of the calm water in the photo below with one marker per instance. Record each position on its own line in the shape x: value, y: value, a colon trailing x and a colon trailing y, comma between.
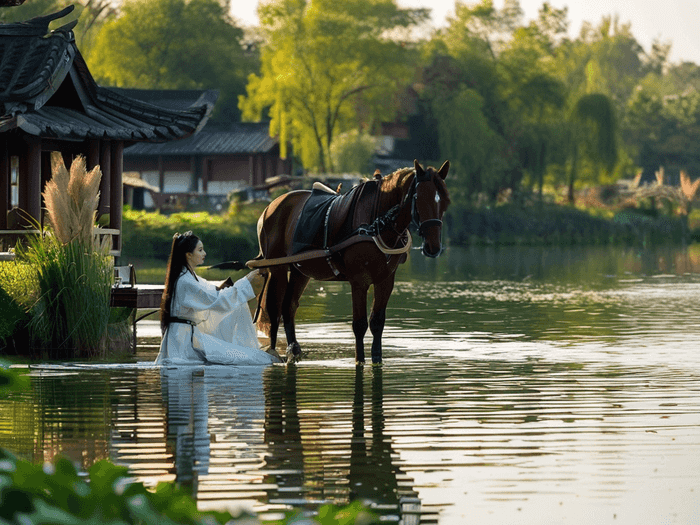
x: 519, y: 386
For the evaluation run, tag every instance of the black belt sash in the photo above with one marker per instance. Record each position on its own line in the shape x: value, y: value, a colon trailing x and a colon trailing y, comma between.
x: 183, y: 321
x: 192, y: 324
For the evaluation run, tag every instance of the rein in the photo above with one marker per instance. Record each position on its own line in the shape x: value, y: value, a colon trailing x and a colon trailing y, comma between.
x: 370, y: 232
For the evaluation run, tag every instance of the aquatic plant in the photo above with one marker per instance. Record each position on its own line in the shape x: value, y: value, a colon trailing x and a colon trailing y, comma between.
x: 71, y: 265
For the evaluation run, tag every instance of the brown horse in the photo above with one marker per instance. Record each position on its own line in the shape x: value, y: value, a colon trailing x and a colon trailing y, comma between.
x: 364, y: 238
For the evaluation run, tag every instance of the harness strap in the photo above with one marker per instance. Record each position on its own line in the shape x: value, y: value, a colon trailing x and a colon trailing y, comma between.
x: 318, y: 254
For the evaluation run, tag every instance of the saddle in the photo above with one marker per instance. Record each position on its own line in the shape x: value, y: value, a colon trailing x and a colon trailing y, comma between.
x: 328, y: 218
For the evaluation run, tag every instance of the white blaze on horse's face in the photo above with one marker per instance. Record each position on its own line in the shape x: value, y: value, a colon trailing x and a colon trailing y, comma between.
x: 430, y: 218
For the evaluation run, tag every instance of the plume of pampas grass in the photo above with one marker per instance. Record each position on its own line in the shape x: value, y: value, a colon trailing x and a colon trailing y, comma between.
x: 71, y: 200
x: 688, y: 188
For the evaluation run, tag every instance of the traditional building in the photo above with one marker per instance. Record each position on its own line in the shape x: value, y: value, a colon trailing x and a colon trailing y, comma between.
x: 50, y: 102
x: 209, y: 165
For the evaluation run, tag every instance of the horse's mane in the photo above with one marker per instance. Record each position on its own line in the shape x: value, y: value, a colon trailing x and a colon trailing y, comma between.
x: 398, y: 179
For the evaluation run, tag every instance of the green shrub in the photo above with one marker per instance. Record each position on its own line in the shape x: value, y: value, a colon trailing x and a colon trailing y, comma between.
x: 13, y: 315
x: 149, y: 235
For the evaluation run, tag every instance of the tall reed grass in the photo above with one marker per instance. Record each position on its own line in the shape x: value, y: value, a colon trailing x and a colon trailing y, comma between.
x: 72, y: 269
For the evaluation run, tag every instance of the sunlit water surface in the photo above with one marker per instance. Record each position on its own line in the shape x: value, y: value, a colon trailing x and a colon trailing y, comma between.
x: 533, y: 392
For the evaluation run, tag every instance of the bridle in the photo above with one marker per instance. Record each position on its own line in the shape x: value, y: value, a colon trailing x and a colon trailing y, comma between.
x: 415, y: 216
x: 388, y: 220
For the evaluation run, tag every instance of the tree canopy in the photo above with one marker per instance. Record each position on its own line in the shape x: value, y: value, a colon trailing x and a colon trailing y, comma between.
x: 327, y: 67
x: 174, y: 44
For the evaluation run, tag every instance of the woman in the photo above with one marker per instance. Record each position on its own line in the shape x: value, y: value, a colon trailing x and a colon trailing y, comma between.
x: 203, y: 323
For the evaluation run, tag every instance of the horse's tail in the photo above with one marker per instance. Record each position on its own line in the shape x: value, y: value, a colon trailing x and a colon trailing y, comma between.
x: 263, y: 317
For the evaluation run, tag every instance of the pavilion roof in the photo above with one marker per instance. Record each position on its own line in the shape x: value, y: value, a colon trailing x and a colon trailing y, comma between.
x: 46, y: 90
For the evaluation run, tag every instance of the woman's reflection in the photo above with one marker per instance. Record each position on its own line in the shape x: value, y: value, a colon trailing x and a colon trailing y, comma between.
x: 208, y: 405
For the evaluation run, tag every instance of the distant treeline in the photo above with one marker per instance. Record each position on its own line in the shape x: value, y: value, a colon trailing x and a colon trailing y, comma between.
x: 514, y: 104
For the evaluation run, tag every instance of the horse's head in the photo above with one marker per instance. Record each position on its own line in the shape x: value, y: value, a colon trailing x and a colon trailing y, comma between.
x: 430, y: 200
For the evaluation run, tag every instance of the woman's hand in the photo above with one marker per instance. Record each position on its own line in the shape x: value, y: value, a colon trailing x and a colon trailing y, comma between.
x: 257, y: 281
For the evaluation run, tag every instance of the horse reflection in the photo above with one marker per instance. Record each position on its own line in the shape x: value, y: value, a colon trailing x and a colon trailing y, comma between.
x: 297, y: 441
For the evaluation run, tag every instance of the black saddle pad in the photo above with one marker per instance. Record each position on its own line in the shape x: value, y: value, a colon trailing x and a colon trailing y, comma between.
x: 309, y: 229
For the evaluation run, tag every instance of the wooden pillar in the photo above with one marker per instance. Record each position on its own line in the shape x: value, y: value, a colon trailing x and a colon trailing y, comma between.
x: 30, y: 181
x: 5, y: 177
x: 251, y: 170
x: 92, y: 158
x: 161, y: 174
x: 206, y: 175
x: 194, y: 184
x: 103, y: 207
x: 116, y: 195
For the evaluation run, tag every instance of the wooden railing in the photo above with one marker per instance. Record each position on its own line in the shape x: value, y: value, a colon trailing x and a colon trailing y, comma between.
x: 9, y: 238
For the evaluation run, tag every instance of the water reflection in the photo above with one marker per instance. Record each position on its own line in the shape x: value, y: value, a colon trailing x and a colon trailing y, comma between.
x: 499, y: 401
x: 330, y: 450
x: 584, y: 265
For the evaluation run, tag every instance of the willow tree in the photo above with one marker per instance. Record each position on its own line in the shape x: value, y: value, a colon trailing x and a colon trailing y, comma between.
x: 327, y: 67
x: 591, y: 137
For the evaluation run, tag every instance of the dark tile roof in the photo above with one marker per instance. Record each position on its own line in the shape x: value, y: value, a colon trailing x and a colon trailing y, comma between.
x: 238, y: 139
x: 48, y: 91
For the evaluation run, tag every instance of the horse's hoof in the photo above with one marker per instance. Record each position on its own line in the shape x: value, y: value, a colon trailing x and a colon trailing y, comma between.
x: 293, y: 353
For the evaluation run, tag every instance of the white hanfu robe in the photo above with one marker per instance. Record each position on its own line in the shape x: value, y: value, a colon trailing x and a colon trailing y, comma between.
x: 222, y: 330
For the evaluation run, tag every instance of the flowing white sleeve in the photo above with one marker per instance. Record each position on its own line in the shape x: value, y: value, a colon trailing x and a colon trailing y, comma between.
x: 196, y: 298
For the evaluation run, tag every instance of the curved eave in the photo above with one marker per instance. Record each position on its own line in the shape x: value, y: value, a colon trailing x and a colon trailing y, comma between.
x: 68, y: 124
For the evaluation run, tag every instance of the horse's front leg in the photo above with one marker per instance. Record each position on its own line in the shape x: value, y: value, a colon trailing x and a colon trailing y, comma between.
x: 295, y: 288
x: 359, y: 319
x: 377, y: 319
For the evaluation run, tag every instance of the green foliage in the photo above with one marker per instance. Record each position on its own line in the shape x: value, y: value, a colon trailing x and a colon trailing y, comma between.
x: 12, y: 316
x: 57, y: 494
x: 150, y: 235
x: 595, y: 111
x: 174, y: 44
x: 92, y: 14
x: 322, y: 62
x: 557, y: 225
x: 468, y: 141
x: 352, y: 152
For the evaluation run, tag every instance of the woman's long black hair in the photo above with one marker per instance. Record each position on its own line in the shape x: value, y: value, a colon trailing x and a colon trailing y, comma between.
x: 177, y: 262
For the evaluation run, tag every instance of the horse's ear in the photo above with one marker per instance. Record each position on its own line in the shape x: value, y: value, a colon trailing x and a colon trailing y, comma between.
x: 418, y: 167
x: 444, y: 169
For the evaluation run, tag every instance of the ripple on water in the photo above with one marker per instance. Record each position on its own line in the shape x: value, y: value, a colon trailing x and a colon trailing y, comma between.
x: 517, y: 403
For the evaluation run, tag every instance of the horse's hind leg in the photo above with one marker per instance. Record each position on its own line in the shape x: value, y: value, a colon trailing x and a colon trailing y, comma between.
x: 359, y: 319
x: 295, y: 288
x: 274, y: 295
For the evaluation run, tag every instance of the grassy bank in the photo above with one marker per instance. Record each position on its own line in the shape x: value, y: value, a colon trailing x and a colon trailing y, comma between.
x: 552, y: 224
